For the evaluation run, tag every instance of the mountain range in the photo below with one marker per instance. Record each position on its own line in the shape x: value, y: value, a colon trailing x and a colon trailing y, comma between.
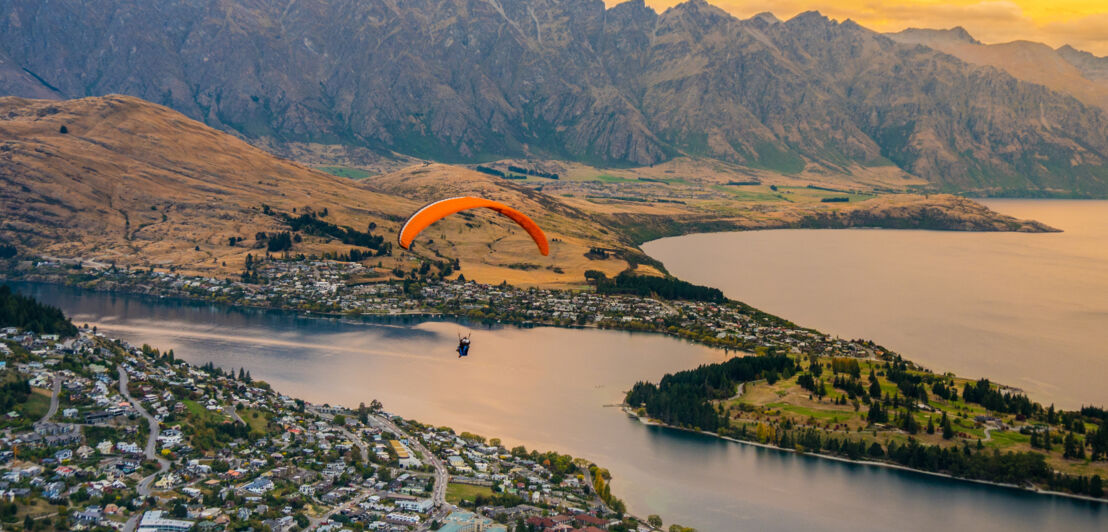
x: 476, y: 80
x: 1064, y: 69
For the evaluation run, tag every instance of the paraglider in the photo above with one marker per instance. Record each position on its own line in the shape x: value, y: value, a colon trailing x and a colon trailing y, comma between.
x: 443, y: 208
x: 463, y: 346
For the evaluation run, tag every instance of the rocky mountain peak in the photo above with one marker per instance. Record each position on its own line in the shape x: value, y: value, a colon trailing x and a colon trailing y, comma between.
x: 473, y: 80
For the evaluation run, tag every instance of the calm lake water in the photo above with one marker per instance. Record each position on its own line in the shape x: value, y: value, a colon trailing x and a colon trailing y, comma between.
x: 547, y: 388
x: 1028, y: 310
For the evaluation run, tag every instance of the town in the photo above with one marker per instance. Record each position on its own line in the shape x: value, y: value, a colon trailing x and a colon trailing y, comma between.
x: 102, y: 435
x: 351, y: 289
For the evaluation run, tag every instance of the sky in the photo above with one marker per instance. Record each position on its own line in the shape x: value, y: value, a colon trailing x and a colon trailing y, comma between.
x: 1080, y: 23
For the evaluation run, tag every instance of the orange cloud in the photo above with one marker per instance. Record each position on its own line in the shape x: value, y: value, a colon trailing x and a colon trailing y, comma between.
x: 1080, y: 23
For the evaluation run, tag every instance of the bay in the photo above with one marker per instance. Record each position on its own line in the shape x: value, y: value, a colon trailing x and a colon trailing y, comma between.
x: 547, y: 388
x: 1027, y: 310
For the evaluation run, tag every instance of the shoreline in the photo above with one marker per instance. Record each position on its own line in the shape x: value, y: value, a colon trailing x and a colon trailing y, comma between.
x: 654, y: 423
x: 419, y: 317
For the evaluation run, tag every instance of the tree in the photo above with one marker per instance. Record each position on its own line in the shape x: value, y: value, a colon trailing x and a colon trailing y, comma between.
x: 654, y: 520
x: 931, y: 425
x: 909, y: 423
x: 1070, y: 446
x: 340, y: 420
x: 79, y: 496
x: 877, y: 413
x: 874, y: 389
x: 1096, y: 487
x: 948, y: 429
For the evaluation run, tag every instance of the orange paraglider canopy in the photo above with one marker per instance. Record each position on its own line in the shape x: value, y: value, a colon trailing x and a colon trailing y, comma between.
x: 443, y: 208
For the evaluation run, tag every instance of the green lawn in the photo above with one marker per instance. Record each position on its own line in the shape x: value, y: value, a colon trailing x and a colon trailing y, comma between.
x: 256, y: 419
x: 198, y: 411
x: 822, y: 415
x: 748, y: 192
x: 1006, y: 439
x: 37, y: 404
x: 456, y: 493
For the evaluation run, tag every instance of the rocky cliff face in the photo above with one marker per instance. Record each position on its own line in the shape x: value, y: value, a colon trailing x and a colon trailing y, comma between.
x: 466, y: 80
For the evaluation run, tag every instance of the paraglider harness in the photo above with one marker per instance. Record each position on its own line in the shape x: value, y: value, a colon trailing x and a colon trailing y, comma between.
x: 463, y: 346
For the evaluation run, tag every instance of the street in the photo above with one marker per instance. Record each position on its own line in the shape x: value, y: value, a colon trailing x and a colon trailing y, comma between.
x: 151, y: 447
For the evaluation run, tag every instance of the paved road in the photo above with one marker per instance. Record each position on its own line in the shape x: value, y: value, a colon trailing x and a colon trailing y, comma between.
x: 151, y: 445
x: 53, y: 400
x: 315, y: 522
x: 441, y: 476
x: 230, y: 411
x: 596, y: 496
x: 358, y: 441
x: 438, y: 495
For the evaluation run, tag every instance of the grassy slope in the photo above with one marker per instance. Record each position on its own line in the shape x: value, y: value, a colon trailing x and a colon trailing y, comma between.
x: 785, y: 399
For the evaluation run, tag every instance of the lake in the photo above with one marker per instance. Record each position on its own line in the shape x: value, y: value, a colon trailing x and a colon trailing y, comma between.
x: 547, y: 388
x: 1028, y: 310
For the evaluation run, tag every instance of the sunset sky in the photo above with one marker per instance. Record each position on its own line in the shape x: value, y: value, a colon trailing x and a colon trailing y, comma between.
x: 1081, y: 23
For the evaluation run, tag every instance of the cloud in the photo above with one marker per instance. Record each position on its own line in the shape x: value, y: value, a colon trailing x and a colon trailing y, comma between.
x: 995, y: 12
x: 1081, y: 23
x: 1089, y: 28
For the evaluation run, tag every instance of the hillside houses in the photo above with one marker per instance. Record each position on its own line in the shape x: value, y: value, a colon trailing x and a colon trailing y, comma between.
x: 322, y: 285
x: 239, y: 454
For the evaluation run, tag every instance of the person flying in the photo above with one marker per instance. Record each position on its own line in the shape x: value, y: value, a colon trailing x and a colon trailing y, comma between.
x: 463, y: 346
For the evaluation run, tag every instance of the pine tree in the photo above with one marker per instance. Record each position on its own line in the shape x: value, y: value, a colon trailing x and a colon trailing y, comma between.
x: 1069, y: 446
x: 931, y: 425
x: 948, y: 429
x: 877, y: 413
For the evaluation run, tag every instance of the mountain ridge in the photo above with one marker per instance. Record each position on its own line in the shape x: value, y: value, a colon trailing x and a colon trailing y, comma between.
x: 1064, y: 69
x: 470, y: 81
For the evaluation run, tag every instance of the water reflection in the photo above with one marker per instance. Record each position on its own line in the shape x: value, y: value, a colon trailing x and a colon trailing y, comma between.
x: 1028, y: 310
x: 546, y: 388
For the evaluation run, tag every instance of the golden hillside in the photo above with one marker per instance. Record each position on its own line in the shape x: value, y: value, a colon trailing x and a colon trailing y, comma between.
x: 120, y: 180
x: 130, y: 182
x: 136, y: 183
x: 491, y: 246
